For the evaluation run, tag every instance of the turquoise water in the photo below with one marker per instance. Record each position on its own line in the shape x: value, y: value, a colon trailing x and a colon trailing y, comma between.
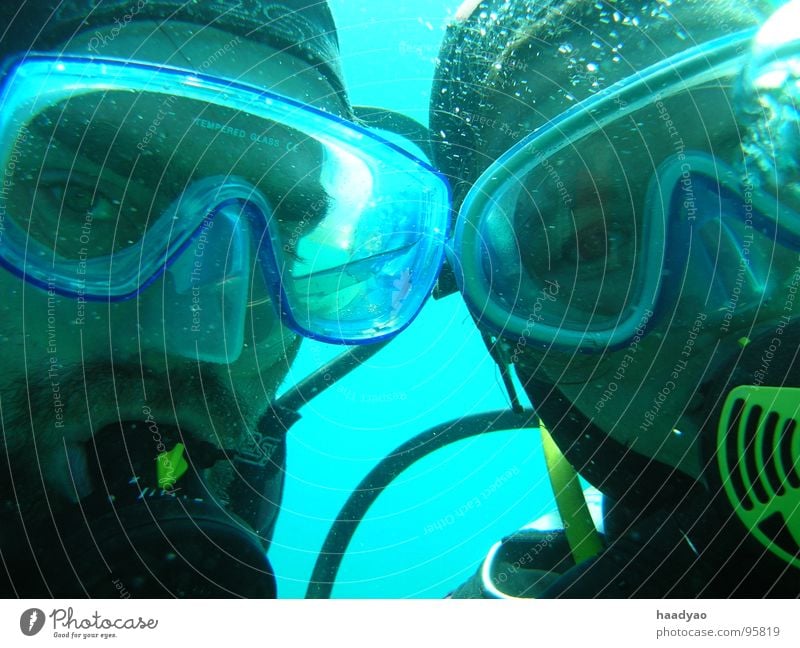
x: 430, y: 529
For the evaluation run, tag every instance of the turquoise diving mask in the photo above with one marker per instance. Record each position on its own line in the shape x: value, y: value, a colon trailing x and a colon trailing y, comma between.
x: 589, y: 230
x: 119, y: 173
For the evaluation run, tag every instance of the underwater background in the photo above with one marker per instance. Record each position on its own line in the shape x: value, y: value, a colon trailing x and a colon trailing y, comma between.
x: 428, y: 532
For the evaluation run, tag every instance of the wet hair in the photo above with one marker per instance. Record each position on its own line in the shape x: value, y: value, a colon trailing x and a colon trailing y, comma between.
x: 484, y: 55
x: 302, y: 28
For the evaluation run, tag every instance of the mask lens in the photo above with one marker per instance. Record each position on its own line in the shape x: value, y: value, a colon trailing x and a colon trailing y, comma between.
x: 98, y: 170
x: 573, y: 233
x: 564, y: 238
x: 97, y: 173
x: 579, y: 233
x: 76, y: 191
x: 351, y: 232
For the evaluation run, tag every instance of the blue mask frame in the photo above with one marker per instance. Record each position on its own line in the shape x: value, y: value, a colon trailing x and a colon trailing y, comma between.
x: 400, y: 224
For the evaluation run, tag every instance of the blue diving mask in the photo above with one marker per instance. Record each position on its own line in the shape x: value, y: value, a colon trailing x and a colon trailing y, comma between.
x: 589, y: 230
x: 120, y: 173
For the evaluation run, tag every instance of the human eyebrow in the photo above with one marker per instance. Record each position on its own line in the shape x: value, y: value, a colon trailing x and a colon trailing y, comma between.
x: 105, y: 160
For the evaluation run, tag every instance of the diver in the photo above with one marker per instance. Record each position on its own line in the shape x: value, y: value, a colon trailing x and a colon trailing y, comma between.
x: 625, y: 180
x: 186, y: 194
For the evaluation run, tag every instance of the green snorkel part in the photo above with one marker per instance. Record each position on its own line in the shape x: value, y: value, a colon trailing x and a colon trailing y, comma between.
x: 758, y: 454
x: 582, y: 536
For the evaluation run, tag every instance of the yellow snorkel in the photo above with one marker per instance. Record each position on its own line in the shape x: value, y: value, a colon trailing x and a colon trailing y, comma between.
x: 582, y: 535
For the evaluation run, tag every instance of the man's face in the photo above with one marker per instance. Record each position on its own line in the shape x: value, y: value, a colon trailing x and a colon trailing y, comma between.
x: 72, y: 367
x: 651, y: 394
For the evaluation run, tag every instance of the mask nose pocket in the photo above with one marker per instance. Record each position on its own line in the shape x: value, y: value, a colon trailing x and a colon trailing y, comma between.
x: 202, y: 304
x: 208, y: 288
x: 721, y: 249
x: 726, y: 248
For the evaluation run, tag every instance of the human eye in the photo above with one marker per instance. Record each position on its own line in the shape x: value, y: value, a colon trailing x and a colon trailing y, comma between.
x: 581, y: 242
x: 598, y: 243
x: 79, y: 216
